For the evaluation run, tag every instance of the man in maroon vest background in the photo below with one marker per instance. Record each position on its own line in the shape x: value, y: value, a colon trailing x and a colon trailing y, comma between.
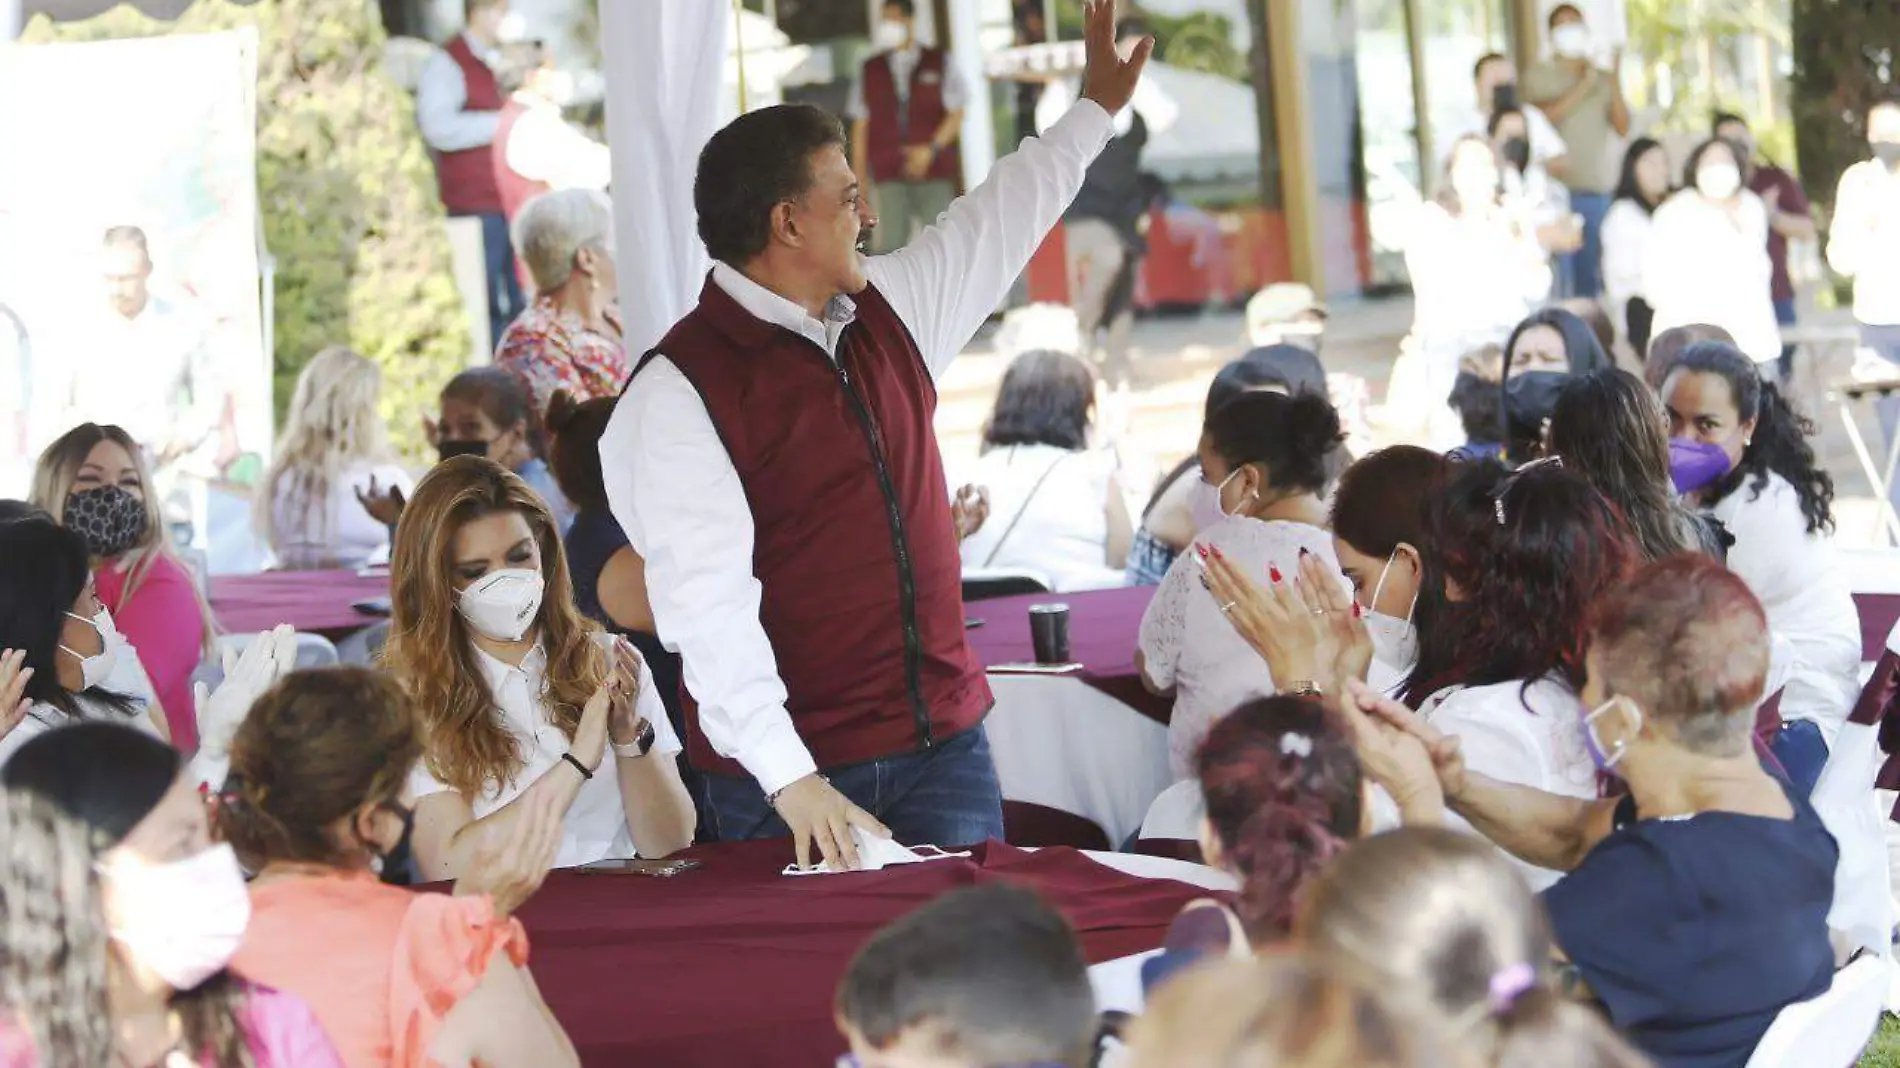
x: 906, y: 108
x: 458, y: 107
x: 773, y: 462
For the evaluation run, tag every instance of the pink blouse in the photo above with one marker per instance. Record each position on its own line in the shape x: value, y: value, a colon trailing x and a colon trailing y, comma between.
x: 279, y: 1031
x: 163, y: 622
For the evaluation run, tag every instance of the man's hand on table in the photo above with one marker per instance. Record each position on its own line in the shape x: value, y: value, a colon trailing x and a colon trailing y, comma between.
x: 816, y: 811
x: 1108, y: 79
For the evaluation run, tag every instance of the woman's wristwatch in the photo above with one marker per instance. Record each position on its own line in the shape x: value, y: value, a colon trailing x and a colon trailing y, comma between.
x: 642, y: 743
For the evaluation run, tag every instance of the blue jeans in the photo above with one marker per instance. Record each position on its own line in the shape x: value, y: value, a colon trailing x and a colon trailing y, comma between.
x: 1784, y: 314
x: 1586, y: 264
x: 1884, y: 342
x: 504, y: 286
x: 946, y: 796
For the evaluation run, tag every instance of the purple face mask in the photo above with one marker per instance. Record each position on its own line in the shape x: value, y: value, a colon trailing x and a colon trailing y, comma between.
x: 1695, y: 464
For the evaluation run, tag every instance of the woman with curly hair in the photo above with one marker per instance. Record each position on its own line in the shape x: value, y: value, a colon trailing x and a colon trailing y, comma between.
x: 121, y: 915
x: 1777, y: 503
x: 519, y: 694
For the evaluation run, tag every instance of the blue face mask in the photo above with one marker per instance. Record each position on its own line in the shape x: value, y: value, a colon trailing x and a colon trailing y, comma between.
x: 1605, y: 760
x: 1695, y: 464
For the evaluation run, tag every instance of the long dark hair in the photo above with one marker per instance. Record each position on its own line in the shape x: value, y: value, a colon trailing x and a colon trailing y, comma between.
x: 1282, y: 784
x: 1529, y: 550
x: 1611, y: 431
x: 1780, y: 444
x: 1581, y: 349
x: 109, y: 777
x: 43, y: 570
x: 1627, y: 187
x: 1047, y: 398
x: 1290, y: 436
x: 1290, y: 367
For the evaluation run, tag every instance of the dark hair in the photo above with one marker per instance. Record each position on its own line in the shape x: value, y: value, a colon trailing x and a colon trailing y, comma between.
x: 501, y: 397
x: 753, y: 164
x: 1695, y: 159
x: 1047, y: 398
x: 574, y: 449
x: 1562, y: 9
x: 1780, y: 444
x: 1131, y: 26
x: 1590, y: 310
x: 996, y: 969
x: 1626, y: 185
x: 43, y: 571
x: 1380, y: 501
x: 1477, y: 69
x: 1581, y: 348
x: 1497, y: 117
x: 109, y: 777
x: 1292, y: 436
x: 1528, y: 578
x: 908, y: 7
x: 1723, y: 118
x: 1611, y: 431
x: 1282, y: 786
x: 1666, y: 348
x: 1295, y: 369
x: 315, y: 748
x: 12, y: 510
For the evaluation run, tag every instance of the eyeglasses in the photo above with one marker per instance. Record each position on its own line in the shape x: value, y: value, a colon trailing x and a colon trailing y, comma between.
x: 1504, y: 486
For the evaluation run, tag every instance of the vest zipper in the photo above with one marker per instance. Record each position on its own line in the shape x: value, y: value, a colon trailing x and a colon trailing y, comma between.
x: 906, y: 580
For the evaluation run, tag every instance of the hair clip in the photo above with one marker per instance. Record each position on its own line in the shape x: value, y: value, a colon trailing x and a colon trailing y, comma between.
x: 1504, y: 487
x: 1509, y: 984
x: 1296, y: 744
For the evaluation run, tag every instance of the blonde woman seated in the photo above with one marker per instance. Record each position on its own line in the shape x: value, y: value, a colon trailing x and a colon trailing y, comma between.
x: 520, y: 697
x: 333, y: 452
x: 1265, y: 454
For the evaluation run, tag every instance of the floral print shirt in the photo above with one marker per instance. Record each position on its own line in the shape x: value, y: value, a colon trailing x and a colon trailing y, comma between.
x: 550, y: 348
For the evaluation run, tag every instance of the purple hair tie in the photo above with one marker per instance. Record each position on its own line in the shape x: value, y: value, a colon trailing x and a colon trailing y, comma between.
x: 1509, y: 984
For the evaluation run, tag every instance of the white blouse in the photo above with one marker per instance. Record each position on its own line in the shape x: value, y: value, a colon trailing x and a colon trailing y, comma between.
x: 1706, y: 265
x: 1797, y: 577
x: 1625, y: 240
x: 596, y: 823
x: 1526, y: 736
x: 1473, y: 278
x: 1188, y: 644
x: 337, y: 531
x: 1058, y: 529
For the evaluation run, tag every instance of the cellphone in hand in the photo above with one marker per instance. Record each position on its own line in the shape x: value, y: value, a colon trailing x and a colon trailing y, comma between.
x: 656, y: 869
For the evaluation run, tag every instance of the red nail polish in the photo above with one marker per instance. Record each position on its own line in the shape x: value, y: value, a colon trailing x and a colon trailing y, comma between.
x: 1356, y: 610
x: 1218, y: 555
x: 1202, y: 549
x: 1273, y: 572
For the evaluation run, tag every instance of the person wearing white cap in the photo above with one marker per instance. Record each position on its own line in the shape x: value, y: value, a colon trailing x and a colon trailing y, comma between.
x: 1286, y: 313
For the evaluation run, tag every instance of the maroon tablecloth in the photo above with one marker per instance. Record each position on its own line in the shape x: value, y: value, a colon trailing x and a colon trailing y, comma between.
x: 1878, y: 612
x: 1103, y: 627
x: 315, y: 602
x: 734, y: 964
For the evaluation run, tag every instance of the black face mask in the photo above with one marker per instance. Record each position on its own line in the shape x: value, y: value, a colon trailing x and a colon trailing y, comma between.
x: 110, y: 519
x: 1503, y: 97
x: 1530, y: 398
x: 395, y: 863
x: 1888, y: 153
x: 1517, y: 152
x: 448, y: 449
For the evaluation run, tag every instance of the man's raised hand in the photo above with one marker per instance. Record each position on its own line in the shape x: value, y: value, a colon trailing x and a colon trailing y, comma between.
x: 1108, y: 79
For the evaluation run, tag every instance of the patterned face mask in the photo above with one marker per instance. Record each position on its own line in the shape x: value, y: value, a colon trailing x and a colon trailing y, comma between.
x: 109, y: 518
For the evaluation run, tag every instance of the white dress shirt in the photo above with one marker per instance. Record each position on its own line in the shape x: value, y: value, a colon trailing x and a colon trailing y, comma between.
x: 1864, y: 237
x: 675, y: 492
x: 1705, y: 264
x: 1797, y: 576
x: 596, y: 824
x: 159, y: 385
x: 440, y: 97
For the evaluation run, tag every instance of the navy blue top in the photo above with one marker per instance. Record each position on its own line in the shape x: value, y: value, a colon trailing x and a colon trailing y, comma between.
x: 1695, y: 932
x: 591, y: 541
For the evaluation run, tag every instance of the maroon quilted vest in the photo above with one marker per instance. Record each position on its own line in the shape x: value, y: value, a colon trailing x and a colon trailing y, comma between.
x: 893, y: 123
x: 467, y: 178
x: 853, y: 546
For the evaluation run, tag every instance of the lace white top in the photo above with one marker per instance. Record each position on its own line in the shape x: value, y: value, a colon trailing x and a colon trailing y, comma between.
x: 1188, y: 644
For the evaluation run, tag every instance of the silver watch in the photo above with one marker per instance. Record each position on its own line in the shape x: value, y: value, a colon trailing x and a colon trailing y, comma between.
x: 642, y: 743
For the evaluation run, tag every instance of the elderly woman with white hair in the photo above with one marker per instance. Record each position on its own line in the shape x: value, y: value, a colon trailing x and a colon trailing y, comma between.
x: 569, y: 338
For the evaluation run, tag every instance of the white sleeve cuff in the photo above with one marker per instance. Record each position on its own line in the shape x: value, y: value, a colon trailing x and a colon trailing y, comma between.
x: 778, y: 759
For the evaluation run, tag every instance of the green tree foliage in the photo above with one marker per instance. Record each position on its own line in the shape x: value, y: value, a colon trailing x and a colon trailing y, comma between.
x: 1845, y: 53
x: 346, y: 191
x: 1200, y: 40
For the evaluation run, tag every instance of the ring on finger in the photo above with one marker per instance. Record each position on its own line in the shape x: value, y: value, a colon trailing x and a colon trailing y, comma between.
x: 1228, y: 607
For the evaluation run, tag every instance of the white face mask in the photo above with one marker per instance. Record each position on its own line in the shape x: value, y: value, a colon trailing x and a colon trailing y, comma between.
x: 889, y: 35
x: 502, y: 605
x: 95, y: 670
x: 876, y: 854
x: 1394, y: 641
x: 1571, y: 40
x: 1719, y: 180
x: 183, y: 919
x: 1203, y: 504
x: 1220, y: 505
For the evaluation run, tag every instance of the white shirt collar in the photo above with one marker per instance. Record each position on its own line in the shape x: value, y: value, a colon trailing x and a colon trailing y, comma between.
x: 766, y: 305
x: 497, y: 672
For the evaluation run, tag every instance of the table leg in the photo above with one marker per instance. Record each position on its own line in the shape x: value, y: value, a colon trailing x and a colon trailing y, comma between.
x: 1885, y: 519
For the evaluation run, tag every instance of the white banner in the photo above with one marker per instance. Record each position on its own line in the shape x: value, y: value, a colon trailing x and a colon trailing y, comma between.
x: 129, y: 288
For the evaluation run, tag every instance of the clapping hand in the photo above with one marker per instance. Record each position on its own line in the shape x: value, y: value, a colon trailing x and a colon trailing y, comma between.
x: 269, y: 657
x: 1396, y: 759
x: 1108, y: 79
x: 14, y: 704
x: 1447, y: 759
x: 511, y: 858
x: 623, y: 722
x: 384, y: 506
x: 1306, y: 630
x: 970, y: 510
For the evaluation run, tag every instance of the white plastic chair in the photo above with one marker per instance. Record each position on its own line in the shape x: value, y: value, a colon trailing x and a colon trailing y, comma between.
x: 1177, y: 813
x: 1830, y: 1029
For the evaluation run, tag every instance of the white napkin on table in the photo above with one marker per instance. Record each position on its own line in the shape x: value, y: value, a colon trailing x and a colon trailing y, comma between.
x: 876, y: 854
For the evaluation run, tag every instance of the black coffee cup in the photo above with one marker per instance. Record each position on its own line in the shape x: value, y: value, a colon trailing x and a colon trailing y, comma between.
x: 1049, y: 632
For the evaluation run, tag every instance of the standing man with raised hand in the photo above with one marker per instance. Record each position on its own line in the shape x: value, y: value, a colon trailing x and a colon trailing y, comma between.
x: 906, y: 111
x: 1586, y: 102
x: 773, y: 461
